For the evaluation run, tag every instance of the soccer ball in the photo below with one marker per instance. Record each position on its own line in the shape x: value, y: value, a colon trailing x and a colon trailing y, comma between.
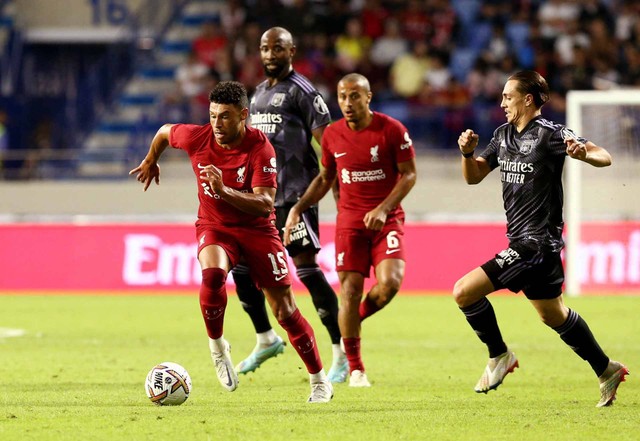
x: 168, y: 384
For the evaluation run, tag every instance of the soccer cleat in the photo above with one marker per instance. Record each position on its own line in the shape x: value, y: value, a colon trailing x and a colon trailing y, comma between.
x: 358, y: 379
x: 224, y: 369
x: 321, y: 392
x: 260, y: 354
x: 497, y: 368
x: 609, y: 382
x: 339, y: 370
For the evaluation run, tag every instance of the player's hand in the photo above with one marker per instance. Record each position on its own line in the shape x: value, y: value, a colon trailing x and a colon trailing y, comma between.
x: 375, y: 219
x: 468, y: 141
x: 576, y: 149
x: 293, y: 219
x: 147, y: 172
x: 213, y: 175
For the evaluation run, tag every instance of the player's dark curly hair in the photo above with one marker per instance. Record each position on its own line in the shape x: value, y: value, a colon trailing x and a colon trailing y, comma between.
x: 230, y: 92
x: 531, y: 82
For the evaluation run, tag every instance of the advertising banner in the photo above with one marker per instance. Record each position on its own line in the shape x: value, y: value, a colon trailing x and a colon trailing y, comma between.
x: 161, y: 257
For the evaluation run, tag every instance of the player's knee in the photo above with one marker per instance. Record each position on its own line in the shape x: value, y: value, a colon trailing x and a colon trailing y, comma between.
x: 387, y: 291
x: 350, y: 293
x: 551, y: 318
x: 460, y: 293
x: 214, y: 278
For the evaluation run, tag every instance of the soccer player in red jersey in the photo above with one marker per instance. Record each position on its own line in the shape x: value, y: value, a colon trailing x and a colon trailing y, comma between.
x: 235, y: 167
x: 372, y: 157
x: 529, y: 151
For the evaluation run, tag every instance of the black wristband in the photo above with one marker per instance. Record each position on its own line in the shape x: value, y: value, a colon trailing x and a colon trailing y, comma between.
x: 468, y: 155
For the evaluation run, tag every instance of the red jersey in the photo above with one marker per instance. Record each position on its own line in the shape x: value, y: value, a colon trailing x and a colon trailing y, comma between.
x: 244, y: 167
x: 366, y: 163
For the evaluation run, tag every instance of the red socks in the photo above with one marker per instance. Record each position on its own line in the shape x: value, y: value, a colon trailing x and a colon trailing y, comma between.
x: 352, y: 350
x: 303, y: 340
x: 213, y: 300
x: 367, y: 308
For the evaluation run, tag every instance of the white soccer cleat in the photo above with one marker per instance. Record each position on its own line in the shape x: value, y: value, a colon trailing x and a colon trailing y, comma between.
x: 321, y: 392
x: 224, y: 368
x: 609, y: 382
x: 358, y: 379
x: 497, y: 368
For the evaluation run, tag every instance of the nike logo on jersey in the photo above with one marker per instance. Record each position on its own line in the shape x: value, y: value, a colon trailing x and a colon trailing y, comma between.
x: 339, y: 155
x: 393, y: 251
x: 279, y: 278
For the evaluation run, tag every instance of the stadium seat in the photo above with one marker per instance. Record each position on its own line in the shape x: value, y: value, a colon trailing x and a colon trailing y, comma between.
x: 517, y: 33
x: 461, y: 61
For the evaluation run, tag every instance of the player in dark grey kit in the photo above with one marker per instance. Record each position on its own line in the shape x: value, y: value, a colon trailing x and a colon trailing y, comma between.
x: 290, y: 111
x: 530, y: 152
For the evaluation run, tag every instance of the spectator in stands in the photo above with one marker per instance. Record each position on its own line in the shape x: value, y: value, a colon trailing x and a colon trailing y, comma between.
x: 247, y: 62
x: 233, y: 17
x: 407, y: 71
x: 602, y: 44
x: 566, y: 43
x: 210, y: 44
x: 373, y: 15
x: 388, y: 46
x: 437, y: 76
x: 630, y: 67
x: 416, y: 25
x: 553, y: 16
x: 444, y: 25
x: 498, y: 46
x: 4, y: 138
x: 591, y: 10
x: 605, y: 76
x: 578, y: 74
x: 189, y: 76
x: 351, y: 46
x: 627, y: 16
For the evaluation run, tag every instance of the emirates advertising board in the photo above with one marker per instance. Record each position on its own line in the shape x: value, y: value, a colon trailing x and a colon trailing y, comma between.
x: 160, y: 258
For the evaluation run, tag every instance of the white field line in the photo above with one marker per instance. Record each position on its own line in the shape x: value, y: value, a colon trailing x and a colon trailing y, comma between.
x: 9, y: 332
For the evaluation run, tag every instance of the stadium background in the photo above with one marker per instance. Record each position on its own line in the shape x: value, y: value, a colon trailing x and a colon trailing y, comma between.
x: 82, y: 89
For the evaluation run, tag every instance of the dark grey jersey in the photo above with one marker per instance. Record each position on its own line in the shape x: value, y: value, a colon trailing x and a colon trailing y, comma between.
x: 531, y: 172
x: 287, y: 113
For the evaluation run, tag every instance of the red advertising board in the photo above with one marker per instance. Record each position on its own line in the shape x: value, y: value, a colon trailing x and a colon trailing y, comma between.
x: 157, y: 257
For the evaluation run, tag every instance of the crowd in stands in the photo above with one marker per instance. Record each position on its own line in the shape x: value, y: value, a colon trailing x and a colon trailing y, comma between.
x: 442, y: 62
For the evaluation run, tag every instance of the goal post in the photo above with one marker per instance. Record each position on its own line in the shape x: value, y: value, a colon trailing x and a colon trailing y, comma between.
x: 610, y: 119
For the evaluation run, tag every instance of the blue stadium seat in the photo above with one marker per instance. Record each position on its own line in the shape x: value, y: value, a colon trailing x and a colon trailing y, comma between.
x: 466, y: 10
x: 461, y: 62
x: 517, y: 33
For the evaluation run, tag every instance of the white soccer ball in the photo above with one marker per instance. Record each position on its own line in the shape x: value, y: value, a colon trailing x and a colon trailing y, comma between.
x: 168, y: 384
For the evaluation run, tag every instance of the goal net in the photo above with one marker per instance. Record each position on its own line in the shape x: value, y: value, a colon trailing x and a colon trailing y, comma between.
x: 610, y: 119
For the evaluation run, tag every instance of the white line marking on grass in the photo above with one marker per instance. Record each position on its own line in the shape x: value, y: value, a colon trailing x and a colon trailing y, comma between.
x: 9, y: 332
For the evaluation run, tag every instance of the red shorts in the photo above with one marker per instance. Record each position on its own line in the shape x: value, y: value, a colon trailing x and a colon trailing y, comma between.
x: 261, y: 248
x: 359, y: 249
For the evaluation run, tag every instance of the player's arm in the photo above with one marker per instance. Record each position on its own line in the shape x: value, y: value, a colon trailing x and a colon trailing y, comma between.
x: 320, y: 185
x: 317, y: 135
x: 588, y: 152
x: 149, y: 170
x: 259, y: 203
x: 474, y: 170
x: 376, y: 218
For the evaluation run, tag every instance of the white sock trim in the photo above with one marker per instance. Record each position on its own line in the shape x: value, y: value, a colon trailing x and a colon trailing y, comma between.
x: 266, y: 338
x: 318, y: 376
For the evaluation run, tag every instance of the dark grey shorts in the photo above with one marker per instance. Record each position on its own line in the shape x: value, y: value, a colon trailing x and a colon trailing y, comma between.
x: 306, y: 233
x: 538, y: 274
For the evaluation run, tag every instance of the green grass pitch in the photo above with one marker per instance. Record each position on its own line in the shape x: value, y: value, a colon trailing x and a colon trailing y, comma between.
x: 78, y: 372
